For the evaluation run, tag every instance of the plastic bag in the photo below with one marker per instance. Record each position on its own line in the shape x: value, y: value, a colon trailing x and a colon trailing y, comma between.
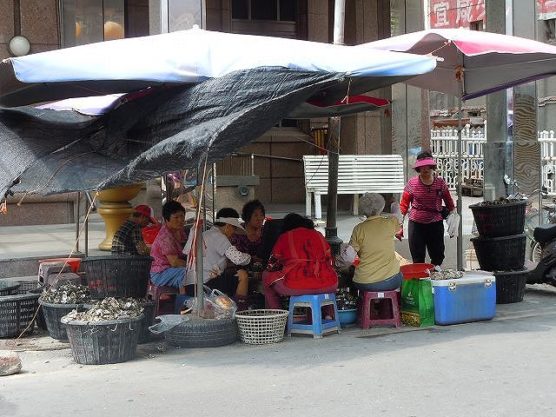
x: 217, y: 305
x: 167, y: 322
x: 346, y: 257
x: 417, y: 302
x: 452, y: 221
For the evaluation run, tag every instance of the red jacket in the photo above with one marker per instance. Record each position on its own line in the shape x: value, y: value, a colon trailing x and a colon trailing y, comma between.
x: 306, y: 258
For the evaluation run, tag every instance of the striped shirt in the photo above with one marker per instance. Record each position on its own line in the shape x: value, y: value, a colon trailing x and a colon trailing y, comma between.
x: 426, y: 200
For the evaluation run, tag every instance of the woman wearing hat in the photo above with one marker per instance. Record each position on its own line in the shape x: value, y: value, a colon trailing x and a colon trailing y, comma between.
x: 425, y: 194
x: 217, y: 253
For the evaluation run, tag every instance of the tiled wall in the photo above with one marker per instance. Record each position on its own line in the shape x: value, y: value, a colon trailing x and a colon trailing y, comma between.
x: 38, y: 22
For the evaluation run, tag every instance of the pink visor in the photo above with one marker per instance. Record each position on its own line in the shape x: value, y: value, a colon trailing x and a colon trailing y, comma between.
x: 424, y: 163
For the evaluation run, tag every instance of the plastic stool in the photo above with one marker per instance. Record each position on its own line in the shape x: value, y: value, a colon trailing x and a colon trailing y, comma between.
x: 317, y: 327
x: 155, y: 292
x: 367, y: 319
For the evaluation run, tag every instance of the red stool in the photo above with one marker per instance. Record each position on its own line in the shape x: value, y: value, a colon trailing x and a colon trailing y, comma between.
x: 367, y: 318
x: 155, y: 292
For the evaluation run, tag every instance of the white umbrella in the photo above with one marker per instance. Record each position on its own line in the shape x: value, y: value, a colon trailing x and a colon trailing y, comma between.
x: 472, y: 64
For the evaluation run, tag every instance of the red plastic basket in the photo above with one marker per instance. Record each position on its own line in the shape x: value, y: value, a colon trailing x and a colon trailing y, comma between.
x: 415, y: 270
x: 73, y: 263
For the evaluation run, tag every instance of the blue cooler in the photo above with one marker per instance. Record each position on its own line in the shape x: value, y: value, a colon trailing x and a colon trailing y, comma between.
x: 470, y: 298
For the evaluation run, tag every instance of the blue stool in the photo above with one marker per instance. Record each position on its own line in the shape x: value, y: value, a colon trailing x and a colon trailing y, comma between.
x: 317, y: 327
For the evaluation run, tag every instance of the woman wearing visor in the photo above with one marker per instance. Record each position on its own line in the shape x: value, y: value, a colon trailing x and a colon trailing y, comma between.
x: 425, y: 193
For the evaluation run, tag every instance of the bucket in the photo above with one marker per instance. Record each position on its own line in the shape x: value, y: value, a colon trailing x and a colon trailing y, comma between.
x: 53, y: 313
x: 74, y: 263
x: 98, y: 343
x: 418, y: 270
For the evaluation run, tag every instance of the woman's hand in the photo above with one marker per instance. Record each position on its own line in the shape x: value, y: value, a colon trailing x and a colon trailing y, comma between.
x: 175, y: 261
x: 399, y: 234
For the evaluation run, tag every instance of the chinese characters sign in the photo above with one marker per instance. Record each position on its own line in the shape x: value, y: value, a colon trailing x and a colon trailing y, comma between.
x: 456, y: 13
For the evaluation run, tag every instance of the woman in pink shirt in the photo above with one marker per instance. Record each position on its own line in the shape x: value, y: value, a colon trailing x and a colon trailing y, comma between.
x: 168, y: 267
x: 425, y: 194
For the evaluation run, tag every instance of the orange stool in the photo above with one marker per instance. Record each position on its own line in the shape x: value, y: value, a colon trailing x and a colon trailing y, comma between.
x: 367, y: 318
x: 155, y: 292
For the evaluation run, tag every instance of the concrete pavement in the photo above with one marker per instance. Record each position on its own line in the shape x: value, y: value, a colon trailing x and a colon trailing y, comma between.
x: 503, y: 367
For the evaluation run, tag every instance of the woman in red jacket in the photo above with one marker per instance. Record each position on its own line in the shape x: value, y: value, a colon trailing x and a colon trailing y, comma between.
x: 300, y: 263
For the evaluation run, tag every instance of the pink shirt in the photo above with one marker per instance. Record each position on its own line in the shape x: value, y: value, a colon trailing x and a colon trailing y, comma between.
x: 425, y: 200
x: 165, y: 244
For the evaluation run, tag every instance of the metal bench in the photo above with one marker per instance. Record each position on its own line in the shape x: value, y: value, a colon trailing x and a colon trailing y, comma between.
x: 357, y: 174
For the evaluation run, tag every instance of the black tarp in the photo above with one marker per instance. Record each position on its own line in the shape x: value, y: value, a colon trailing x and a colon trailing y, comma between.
x: 148, y: 133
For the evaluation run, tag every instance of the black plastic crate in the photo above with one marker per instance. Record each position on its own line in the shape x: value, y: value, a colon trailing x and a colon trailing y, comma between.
x: 17, y: 314
x: 117, y: 275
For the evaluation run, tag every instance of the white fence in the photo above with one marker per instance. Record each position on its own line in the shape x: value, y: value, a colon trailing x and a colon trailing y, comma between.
x: 444, y: 148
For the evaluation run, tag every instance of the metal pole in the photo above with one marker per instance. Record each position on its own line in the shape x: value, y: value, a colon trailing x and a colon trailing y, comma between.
x: 77, y: 214
x: 88, y: 205
x: 200, y: 294
x: 334, y: 127
x: 459, y: 242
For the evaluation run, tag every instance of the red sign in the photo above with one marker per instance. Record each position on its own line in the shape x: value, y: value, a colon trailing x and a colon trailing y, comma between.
x: 546, y: 9
x: 456, y: 13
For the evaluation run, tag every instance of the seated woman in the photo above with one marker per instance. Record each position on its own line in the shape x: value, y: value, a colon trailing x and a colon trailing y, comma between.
x: 373, y: 240
x: 218, y: 250
x: 301, y: 263
x: 253, y: 215
x: 168, y: 267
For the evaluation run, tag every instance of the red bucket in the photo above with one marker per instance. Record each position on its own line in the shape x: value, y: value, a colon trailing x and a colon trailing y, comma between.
x: 73, y: 263
x: 415, y: 270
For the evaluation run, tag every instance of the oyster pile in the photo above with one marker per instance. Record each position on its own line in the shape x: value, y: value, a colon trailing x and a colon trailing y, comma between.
x: 66, y: 294
x: 446, y: 274
x: 108, y: 309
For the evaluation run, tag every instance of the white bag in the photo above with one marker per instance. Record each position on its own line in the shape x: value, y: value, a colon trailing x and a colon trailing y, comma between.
x: 452, y: 221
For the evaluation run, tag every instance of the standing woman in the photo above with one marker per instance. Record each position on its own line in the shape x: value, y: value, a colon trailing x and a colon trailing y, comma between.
x: 425, y: 193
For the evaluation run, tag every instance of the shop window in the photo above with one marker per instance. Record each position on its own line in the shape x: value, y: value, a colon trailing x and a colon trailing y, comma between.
x: 88, y: 21
x: 275, y: 10
x: 550, y: 30
x: 477, y: 25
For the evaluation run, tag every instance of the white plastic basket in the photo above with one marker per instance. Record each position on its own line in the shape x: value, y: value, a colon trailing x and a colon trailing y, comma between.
x: 258, y: 327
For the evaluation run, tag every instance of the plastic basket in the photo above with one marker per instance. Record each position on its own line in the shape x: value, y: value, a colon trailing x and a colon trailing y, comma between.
x: 103, y: 342
x: 8, y: 287
x: 418, y: 270
x: 148, y: 320
x: 510, y: 286
x: 499, y: 219
x: 73, y: 263
x: 117, y: 275
x: 500, y: 253
x: 52, y: 315
x: 17, y: 313
x: 35, y: 288
x: 258, y: 327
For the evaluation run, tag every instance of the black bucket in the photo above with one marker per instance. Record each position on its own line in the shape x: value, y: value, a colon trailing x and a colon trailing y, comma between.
x: 500, y: 253
x: 99, y: 343
x: 148, y: 320
x: 53, y: 313
x: 510, y: 286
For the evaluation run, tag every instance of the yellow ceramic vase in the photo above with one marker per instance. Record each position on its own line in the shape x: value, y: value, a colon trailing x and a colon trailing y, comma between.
x: 115, y: 209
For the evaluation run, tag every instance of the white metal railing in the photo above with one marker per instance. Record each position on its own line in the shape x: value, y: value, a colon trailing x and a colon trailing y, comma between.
x: 444, y: 149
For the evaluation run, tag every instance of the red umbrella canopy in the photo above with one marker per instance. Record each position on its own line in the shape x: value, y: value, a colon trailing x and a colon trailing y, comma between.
x: 472, y: 63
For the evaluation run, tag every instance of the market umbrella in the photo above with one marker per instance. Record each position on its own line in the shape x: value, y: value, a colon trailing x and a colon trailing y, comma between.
x: 181, y: 97
x: 472, y: 64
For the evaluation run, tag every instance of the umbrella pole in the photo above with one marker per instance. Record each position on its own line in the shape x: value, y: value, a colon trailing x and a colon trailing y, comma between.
x: 459, y: 244
x: 200, y: 291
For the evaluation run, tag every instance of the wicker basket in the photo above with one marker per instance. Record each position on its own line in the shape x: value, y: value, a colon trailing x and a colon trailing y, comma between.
x: 499, y: 219
x: 103, y: 342
x: 510, y: 286
x: 8, y: 287
x: 500, y: 253
x: 258, y: 327
x: 17, y: 313
x: 117, y: 275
